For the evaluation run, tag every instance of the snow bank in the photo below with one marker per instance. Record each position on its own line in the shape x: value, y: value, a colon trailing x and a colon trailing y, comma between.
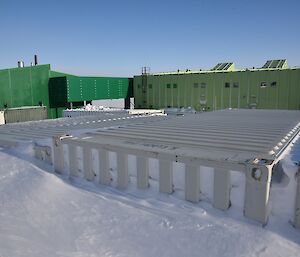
x: 43, y: 214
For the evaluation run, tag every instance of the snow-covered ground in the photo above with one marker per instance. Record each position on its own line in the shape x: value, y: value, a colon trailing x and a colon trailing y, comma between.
x: 44, y: 214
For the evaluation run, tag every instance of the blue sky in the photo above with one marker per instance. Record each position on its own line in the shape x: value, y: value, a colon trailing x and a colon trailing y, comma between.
x: 119, y: 37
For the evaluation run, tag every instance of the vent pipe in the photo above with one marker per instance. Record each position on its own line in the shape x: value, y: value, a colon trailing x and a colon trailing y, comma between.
x: 20, y: 64
x: 35, y: 60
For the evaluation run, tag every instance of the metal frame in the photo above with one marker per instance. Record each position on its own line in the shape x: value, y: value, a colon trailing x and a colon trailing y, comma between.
x: 12, y: 134
x: 224, y: 140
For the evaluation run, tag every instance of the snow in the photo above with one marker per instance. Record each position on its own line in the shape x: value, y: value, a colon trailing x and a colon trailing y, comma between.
x: 90, y: 107
x: 44, y: 214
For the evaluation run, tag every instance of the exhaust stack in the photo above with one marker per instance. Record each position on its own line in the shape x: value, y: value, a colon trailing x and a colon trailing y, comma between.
x: 35, y: 60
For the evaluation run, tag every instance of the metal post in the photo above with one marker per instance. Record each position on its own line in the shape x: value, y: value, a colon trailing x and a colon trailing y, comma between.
x: 258, y: 180
x: 87, y: 164
x: 192, y: 183
x: 73, y: 162
x: 165, y: 176
x: 58, y: 155
x: 142, y: 167
x: 297, y: 207
x: 123, y: 178
x: 104, y: 175
x: 221, y: 189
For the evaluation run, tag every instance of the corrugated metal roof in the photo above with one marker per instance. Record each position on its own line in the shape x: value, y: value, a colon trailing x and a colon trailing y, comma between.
x: 236, y: 135
x: 15, y: 133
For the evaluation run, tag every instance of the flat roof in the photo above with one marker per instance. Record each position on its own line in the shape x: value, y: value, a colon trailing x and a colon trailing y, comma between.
x: 182, y: 72
x: 236, y: 136
x: 14, y: 133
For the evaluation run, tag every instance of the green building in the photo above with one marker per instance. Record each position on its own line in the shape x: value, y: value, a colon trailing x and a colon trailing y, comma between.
x: 274, y: 86
x: 39, y: 85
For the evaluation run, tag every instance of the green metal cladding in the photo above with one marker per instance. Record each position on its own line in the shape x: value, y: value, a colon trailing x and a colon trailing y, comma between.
x: 27, y: 86
x: 35, y: 85
x: 24, y: 86
x: 274, y: 86
x: 211, y: 90
x: 68, y: 89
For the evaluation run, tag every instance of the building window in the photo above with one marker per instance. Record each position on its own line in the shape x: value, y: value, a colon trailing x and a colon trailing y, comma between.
x: 227, y: 84
x: 168, y: 85
x: 236, y: 85
x: 150, y: 86
x: 263, y: 85
x: 174, y: 85
x: 203, y: 85
x: 274, y: 84
x: 196, y: 85
x: 139, y: 86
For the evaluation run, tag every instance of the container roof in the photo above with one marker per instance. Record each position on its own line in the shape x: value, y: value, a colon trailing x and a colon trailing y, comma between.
x: 229, y: 136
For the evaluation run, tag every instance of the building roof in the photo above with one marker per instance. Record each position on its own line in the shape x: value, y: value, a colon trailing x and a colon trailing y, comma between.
x: 270, y: 65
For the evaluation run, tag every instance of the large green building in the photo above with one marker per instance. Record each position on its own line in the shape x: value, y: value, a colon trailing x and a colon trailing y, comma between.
x: 274, y: 86
x: 39, y: 85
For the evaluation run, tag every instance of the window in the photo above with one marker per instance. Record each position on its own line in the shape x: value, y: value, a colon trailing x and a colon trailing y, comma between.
x: 196, y: 85
x: 203, y: 85
x: 174, y: 85
x: 150, y: 86
x: 263, y: 85
x: 227, y: 84
x: 236, y: 85
x: 168, y: 85
x: 274, y: 84
x: 139, y: 86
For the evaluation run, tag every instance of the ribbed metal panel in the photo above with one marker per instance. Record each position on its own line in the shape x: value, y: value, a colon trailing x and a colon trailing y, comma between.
x: 237, y: 135
x: 33, y: 130
x: 22, y: 114
x: 249, y: 141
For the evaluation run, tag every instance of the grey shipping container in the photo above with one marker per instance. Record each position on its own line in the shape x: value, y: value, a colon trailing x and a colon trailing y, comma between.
x: 26, y: 113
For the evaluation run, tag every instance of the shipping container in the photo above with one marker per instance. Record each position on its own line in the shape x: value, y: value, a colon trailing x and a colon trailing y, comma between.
x: 26, y: 113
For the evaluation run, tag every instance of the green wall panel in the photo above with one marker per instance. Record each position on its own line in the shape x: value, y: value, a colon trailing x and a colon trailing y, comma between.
x: 95, y: 88
x: 69, y: 89
x: 264, y: 89
x: 27, y: 86
x: 57, y: 92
